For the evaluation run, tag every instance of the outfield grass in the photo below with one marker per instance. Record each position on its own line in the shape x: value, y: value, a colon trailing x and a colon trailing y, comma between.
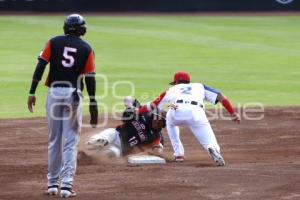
x: 250, y: 59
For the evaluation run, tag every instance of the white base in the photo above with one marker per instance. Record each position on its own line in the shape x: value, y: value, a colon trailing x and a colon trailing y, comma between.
x: 145, y: 159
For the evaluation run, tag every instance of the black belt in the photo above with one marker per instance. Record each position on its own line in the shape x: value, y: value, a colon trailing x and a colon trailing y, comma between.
x: 191, y: 102
x: 65, y: 85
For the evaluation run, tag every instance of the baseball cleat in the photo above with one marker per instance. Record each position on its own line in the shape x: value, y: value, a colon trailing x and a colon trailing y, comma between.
x: 66, y: 192
x: 216, y: 156
x: 97, y: 144
x: 178, y: 158
x: 52, y: 190
x: 101, y: 143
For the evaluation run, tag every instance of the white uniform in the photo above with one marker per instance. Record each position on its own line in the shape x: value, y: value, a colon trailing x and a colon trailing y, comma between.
x: 188, y: 98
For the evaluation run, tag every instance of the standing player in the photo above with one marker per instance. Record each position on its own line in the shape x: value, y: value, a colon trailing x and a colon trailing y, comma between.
x: 187, y: 108
x: 70, y: 57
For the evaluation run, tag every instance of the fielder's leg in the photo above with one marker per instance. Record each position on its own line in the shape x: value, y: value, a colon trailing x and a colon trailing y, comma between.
x: 205, y: 136
x: 174, y: 135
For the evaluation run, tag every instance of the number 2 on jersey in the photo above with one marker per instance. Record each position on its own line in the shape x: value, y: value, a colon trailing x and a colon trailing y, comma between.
x: 186, y: 90
x: 68, y: 59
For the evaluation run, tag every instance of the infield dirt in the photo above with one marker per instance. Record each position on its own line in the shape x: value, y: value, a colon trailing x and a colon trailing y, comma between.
x: 263, y: 162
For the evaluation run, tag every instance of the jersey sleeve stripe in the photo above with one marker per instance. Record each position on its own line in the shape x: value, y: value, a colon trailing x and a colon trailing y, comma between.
x: 211, y: 89
x: 159, y: 99
x: 90, y: 64
x: 46, y: 53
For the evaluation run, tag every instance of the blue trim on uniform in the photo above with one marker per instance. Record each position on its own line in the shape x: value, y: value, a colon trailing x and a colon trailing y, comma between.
x: 211, y: 89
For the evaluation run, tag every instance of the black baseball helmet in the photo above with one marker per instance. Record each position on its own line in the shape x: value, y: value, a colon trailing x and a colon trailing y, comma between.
x: 75, y: 24
x: 128, y: 115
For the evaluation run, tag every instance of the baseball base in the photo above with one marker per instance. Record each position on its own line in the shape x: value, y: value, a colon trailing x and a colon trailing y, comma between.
x: 145, y: 159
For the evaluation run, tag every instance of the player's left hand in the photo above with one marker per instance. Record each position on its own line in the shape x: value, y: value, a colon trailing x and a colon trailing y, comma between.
x: 236, y: 118
x: 31, y: 102
x: 94, y: 113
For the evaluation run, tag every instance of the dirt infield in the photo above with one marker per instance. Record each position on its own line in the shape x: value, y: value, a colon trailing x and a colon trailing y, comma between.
x: 263, y: 162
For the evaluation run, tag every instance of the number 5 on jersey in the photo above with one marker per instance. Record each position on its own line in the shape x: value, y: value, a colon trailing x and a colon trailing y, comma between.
x: 68, y: 60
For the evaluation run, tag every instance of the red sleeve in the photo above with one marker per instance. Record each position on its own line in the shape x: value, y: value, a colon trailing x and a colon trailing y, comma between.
x: 46, y: 53
x: 152, y: 105
x: 158, y: 99
x: 90, y: 64
x: 143, y: 109
x: 227, y: 105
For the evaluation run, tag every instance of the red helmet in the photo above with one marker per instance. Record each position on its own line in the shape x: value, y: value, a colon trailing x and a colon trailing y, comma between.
x: 180, y: 76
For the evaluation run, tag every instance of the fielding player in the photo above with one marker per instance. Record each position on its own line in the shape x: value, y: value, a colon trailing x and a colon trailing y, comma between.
x: 187, y: 108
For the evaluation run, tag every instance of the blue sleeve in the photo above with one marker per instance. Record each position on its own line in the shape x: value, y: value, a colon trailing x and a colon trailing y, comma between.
x: 211, y: 94
x: 211, y: 89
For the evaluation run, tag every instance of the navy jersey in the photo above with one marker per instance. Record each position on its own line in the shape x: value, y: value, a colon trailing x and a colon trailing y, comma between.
x: 138, y: 132
x: 69, y: 57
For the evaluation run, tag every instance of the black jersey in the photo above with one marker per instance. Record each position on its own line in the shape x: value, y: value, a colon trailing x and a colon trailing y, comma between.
x: 138, y: 132
x: 69, y: 57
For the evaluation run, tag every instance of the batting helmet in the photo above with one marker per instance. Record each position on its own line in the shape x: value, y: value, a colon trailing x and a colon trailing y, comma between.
x: 75, y: 24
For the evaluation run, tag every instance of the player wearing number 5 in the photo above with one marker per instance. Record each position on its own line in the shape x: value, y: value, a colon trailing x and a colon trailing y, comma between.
x: 185, y: 100
x: 71, y: 59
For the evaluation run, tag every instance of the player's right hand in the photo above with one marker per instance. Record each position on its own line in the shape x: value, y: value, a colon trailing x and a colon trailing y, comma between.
x: 31, y: 102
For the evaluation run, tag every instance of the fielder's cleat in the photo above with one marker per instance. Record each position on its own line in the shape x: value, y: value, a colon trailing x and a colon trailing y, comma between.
x: 52, y: 190
x: 216, y: 156
x: 178, y: 158
x: 66, y: 192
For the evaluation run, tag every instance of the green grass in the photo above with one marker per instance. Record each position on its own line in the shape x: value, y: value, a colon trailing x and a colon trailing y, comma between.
x: 250, y: 59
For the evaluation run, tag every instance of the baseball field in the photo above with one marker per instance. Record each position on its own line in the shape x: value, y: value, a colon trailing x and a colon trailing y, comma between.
x: 254, y: 60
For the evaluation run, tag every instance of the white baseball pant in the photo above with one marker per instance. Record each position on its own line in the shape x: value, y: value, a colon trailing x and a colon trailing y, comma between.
x: 193, y: 117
